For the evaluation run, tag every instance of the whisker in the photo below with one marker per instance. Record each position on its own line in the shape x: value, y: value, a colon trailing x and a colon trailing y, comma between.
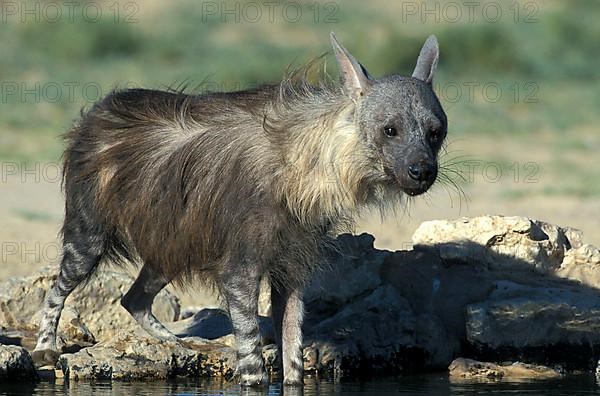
x: 451, y: 174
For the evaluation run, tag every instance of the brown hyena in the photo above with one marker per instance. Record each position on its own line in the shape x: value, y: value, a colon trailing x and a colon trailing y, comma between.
x: 232, y: 187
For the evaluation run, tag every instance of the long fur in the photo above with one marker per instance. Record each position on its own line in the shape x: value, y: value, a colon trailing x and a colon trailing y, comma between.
x: 180, y: 180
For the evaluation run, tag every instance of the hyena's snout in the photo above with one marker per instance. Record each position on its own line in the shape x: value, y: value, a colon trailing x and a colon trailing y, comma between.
x: 423, y: 172
x: 418, y: 175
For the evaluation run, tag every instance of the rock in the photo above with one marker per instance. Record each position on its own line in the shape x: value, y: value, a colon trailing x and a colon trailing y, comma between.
x: 437, y: 296
x: 16, y: 337
x: 133, y: 358
x: 490, y: 288
x: 213, y: 323
x: 311, y: 359
x: 73, y: 328
x: 524, y: 316
x: 188, y: 312
x: 468, y: 369
x: 371, y: 331
x: 269, y: 354
x: 209, y: 323
x: 353, y: 320
x: 574, y: 236
x: 408, y: 315
x: 386, y: 325
x: 582, y: 264
x: 16, y: 364
x: 95, y: 307
x: 354, y: 272
x: 130, y: 357
x: 502, y: 243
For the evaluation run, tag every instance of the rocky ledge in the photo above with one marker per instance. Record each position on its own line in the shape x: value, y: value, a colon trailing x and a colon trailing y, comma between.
x: 490, y: 288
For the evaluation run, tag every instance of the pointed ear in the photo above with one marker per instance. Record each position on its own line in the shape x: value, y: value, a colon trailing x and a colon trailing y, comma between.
x: 427, y: 61
x: 355, y: 78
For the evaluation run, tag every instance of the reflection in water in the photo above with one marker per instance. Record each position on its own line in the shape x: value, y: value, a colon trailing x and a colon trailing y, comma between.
x: 430, y: 385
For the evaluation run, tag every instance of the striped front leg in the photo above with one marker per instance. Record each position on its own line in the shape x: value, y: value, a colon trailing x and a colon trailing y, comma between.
x: 241, y: 294
x: 287, y: 310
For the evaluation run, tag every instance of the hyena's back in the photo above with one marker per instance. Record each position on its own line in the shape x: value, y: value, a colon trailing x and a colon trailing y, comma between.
x: 177, y: 180
x: 187, y: 185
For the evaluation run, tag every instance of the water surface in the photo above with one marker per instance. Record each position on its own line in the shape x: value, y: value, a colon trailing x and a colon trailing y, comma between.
x: 431, y: 385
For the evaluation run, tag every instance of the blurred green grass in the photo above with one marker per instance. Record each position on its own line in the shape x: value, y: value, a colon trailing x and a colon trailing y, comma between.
x: 170, y: 44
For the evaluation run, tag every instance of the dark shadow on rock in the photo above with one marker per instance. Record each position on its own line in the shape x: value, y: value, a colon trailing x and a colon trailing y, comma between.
x: 213, y: 323
x: 10, y: 338
x: 381, y: 312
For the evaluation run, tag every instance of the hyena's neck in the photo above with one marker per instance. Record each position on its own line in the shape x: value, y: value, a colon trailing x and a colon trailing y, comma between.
x: 326, y: 164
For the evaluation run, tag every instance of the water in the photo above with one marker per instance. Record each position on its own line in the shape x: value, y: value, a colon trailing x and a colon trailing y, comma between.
x: 430, y: 385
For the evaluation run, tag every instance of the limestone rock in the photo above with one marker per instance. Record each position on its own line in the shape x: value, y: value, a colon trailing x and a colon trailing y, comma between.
x: 382, y: 325
x: 502, y: 243
x: 524, y: 316
x: 491, y: 288
x: 492, y: 281
x: 370, y: 331
x: 468, y: 369
x: 15, y: 364
x: 130, y: 357
x: 72, y: 331
x: 354, y: 272
x: 96, y: 305
x: 582, y: 264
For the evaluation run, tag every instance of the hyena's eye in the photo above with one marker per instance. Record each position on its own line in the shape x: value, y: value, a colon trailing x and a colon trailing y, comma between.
x: 435, y: 135
x: 390, y: 131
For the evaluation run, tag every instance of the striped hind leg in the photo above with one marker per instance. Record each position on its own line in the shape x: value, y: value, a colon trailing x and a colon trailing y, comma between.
x: 82, y: 251
x: 138, y: 302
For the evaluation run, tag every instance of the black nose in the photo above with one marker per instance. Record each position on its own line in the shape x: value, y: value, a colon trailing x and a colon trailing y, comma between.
x: 422, y: 172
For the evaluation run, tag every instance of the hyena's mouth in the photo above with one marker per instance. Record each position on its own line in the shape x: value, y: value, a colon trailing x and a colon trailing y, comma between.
x: 413, y: 192
x: 417, y: 188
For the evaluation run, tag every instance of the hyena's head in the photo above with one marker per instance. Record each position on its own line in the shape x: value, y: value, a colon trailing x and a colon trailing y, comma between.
x: 399, y: 118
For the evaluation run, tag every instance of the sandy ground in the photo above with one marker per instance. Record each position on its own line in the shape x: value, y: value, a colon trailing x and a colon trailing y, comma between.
x: 32, y: 205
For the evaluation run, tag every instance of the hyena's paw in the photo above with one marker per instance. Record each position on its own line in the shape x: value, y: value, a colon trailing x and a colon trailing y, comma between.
x: 296, y: 382
x: 168, y: 338
x: 45, y: 357
x: 254, y: 379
